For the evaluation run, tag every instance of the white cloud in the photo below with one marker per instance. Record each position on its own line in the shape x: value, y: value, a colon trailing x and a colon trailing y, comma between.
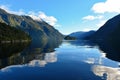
x: 104, y: 11
x: 49, y: 19
x: 101, y: 23
x: 35, y: 15
x: 42, y: 16
x: 109, y: 6
x: 6, y: 8
x: 90, y: 17
x: 20, y: 12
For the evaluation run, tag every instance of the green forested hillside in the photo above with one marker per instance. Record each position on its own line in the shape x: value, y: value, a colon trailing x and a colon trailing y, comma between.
x: 38, y: 30
x: 8, y: 33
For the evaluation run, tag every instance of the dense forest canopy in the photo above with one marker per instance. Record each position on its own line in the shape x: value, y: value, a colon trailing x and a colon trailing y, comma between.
x: 8, y: 33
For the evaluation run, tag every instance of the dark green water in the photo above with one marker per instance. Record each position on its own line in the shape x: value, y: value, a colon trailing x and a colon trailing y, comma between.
x: 71, y: 60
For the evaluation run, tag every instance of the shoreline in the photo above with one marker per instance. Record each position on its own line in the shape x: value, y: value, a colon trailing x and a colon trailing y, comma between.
x: 14, y: 41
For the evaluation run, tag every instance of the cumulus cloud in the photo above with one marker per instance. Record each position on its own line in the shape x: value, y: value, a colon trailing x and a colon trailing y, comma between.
x: 35, y: 15
x: 50, y: 19
x: 90, y: 17
x: 42, y: 16
x: 20, y: 12
x: 6, y: 8
x: 109, y: 6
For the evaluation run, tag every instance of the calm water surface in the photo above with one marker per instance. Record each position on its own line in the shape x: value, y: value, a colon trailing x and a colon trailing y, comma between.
x: 72, y: 60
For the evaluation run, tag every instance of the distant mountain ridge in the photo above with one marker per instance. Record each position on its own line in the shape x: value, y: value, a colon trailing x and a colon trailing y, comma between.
x: 81, y: 34
x: 38, y: 30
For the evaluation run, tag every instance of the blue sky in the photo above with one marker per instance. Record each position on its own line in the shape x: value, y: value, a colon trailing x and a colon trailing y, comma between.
x: 66, y: 15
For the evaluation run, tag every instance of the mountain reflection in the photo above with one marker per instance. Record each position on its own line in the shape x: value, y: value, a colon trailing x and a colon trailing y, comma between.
x: 34, y: 55
x: 111, y: 50
x: 82, y: 60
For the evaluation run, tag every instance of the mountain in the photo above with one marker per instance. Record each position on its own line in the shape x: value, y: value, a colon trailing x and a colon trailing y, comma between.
x: 69, y: 38
x: 8, y: 34
x: 81, y: 35
x: 38, y: 30
x: 110, y: 31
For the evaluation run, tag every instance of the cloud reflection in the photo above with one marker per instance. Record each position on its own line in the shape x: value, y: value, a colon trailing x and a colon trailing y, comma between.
x: 48, y: 58
x: 107, y: 73
x: 96, y: 60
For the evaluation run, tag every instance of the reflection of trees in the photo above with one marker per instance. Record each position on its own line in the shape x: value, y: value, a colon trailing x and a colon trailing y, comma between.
x: 19, y: 55
x: 107, y: 73
x: 111, y: 50
x: 37, y: 62
x: 9, y: 51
